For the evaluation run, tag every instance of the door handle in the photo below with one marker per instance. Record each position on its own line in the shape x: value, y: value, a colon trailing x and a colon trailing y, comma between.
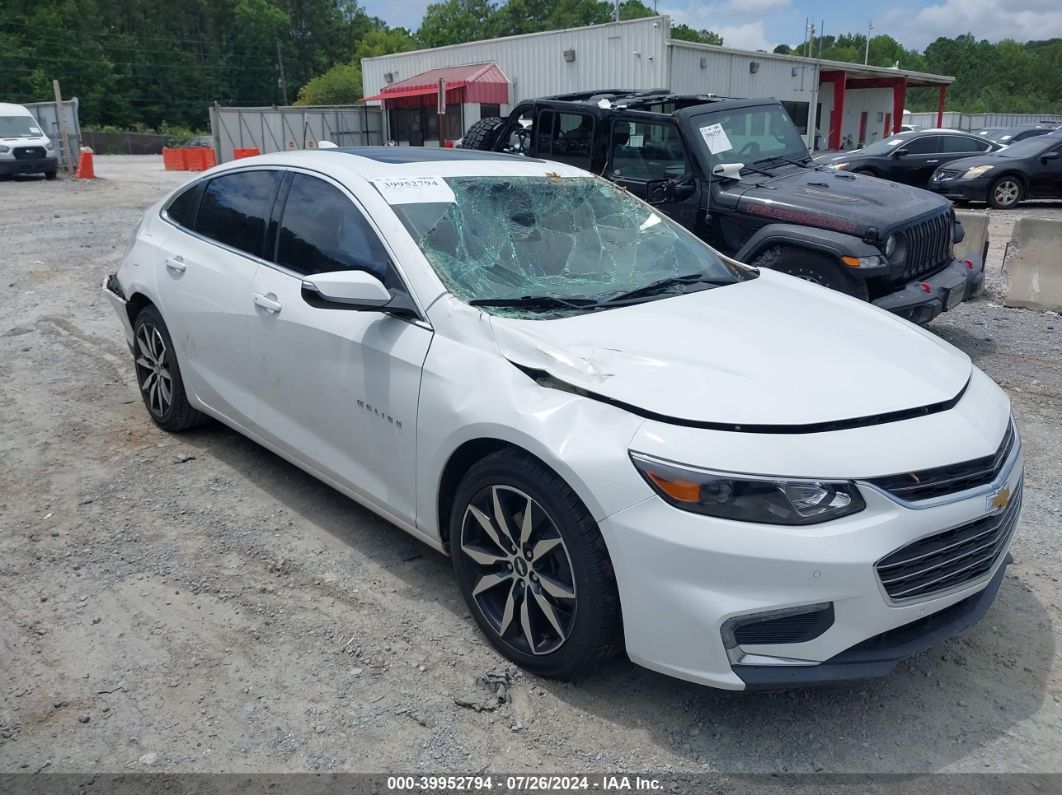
x: 267, y: 303
x: 176, y: 264
x: 932, y: 161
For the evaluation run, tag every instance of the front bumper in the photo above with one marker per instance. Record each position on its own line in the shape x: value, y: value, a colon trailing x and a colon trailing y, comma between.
x: 34, y: 165
x: 962, y: 190
x: 685, y: 578
x: 921, y: 301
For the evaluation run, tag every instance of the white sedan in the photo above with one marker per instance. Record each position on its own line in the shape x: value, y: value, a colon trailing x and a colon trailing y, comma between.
x: 623, y: 439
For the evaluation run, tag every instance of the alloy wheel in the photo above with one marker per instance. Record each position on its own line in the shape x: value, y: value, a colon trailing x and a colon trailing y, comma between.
x: 1006, y: 192
x: 153, y: 369
x: 522, y: 580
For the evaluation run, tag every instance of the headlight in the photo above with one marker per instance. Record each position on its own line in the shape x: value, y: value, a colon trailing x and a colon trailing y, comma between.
x: 4, y: 150
x: 976, y: 171
x: 895, y: 249
x: 744, y: 498
x: 49, y: 146
x: 838, y: 166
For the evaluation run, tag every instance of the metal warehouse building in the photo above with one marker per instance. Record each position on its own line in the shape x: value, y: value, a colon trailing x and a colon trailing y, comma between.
x: 853, y: 105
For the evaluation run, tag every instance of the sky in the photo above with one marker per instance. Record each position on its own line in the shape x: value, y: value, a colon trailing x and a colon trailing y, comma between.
x: 762, y: 24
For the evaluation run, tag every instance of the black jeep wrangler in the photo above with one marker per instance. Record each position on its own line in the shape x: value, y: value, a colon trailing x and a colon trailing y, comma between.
x: 736, y: 172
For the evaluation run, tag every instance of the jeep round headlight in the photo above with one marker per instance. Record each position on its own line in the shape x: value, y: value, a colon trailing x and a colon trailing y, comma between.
x: 895, y: 249
x: 745, y: 498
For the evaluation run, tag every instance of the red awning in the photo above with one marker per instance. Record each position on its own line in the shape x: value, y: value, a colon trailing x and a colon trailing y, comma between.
x: 482, y: 83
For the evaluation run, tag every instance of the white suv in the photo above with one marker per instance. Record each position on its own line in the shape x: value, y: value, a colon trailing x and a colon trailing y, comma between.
x: 622, y: 438
x: 24, y: 148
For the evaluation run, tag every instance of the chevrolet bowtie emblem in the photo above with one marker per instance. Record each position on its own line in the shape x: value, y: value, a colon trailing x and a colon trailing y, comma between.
x: 1000, y: 499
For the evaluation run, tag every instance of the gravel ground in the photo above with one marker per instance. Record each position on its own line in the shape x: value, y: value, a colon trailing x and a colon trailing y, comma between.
x: 194, y: 603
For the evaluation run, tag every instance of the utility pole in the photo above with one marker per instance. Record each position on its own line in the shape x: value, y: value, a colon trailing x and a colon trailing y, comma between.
x: 866, y: 54
x: 280, y: 81
x: 64, y: 138
x: 617, y: 11
x: 810, y: 49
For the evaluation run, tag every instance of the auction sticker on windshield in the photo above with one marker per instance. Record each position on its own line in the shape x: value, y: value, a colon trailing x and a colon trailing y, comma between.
x: 716, y: 138
x: 414, y: 190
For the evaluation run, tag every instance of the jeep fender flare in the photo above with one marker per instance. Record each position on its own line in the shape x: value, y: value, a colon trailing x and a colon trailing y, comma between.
x: 835, y: 244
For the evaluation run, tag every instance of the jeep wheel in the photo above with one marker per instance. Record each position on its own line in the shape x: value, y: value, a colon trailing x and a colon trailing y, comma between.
x: 1005, y: 193
x: 811, y: 267
x: 482, y: 134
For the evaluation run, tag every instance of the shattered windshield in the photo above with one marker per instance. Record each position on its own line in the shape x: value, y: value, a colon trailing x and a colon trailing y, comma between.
x: 508, y: 239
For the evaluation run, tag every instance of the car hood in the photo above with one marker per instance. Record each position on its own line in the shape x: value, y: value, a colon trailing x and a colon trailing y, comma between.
x: 770, y: 351
x: 977, y: 160
x: 850, y: 203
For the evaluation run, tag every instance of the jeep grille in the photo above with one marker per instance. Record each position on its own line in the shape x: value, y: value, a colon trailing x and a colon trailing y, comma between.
x: 928, y: 245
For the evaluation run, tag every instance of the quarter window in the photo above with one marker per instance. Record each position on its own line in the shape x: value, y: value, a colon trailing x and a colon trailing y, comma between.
x: 322, y: 231
x: 182, y: 209
x: 234, y: 209
x: 645, y: 152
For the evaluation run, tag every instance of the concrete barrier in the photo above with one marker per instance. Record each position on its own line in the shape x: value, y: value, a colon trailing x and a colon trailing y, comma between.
x: 975, y: 245
x: 1034, y: 265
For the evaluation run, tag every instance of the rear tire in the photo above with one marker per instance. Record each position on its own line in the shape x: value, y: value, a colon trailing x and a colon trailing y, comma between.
x: 812, y: 267
x: 1005, y: 193
x: 159, y: 375
x: 544, y: 593
x: 483, y: 134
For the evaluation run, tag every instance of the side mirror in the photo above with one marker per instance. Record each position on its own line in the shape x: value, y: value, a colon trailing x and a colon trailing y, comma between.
x: 728, y: 170
x: 358, y: 290
x: 900, y: 153
x: 1050, y: 156
x: 659, y: 191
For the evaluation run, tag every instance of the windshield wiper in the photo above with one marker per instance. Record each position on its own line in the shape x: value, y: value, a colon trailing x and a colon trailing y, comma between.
x: 663, y: 284
x: 536, y: 303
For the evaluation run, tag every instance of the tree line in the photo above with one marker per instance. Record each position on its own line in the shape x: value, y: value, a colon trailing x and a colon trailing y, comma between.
x: 158, y: 64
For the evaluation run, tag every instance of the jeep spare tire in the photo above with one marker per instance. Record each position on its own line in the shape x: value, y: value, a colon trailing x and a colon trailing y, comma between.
x: 482, y: 134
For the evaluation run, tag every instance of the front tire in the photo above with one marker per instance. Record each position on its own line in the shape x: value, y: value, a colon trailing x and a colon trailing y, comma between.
x: 1005, y: 193
x: 159, y: 375
x: 811, y: 267
x: 533, y: 567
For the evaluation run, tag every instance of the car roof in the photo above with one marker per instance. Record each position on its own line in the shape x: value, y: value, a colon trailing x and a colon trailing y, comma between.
x: 10, y: 109
x: 379, y: 162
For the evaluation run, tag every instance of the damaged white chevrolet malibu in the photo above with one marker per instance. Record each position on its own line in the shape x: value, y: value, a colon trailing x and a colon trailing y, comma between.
x: 623, y: 439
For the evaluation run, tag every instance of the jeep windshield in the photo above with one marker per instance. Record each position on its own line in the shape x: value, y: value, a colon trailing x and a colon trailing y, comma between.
x: 547, y: 246
x: 749, y: 135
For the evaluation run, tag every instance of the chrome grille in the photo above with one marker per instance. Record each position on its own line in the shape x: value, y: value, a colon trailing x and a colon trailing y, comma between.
x: 946, y: 560
x: 940, y: 481
x: 948, y: 173
x: 928, y: 244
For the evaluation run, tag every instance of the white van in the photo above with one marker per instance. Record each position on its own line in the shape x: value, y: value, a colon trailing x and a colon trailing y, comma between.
x: 24, y: 148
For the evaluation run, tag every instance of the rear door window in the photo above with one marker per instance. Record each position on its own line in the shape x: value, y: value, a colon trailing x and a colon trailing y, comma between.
x: 959, y: 143
x: 323, y: 231
x: 235, y: 208
x: 565, y: 137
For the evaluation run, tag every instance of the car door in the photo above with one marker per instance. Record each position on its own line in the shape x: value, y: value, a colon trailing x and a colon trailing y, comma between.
x: 338, y: 388
x: 648, y: 158
x: 915, y: 161
x: 1045, y: 174
x: 204, y: 282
